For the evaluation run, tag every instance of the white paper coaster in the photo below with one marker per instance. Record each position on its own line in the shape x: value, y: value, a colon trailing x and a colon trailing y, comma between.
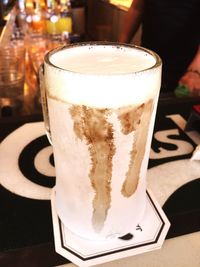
x: 148, y: 235
x: 196, y: 153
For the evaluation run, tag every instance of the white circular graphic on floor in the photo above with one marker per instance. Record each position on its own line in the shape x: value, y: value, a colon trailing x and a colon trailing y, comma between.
x: 166, y: 178
x: 11, y: 176
x: 163, y: 179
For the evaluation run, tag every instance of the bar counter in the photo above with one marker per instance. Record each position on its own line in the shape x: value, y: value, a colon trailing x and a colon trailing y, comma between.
x: 26, y: 225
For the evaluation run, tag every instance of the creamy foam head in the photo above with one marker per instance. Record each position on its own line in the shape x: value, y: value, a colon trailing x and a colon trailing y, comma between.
x: 103, y: 60
x: 101, y: 75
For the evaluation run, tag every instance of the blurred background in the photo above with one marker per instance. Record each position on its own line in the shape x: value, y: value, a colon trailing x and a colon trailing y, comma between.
x: 86, y: 19
x: 40, y: 25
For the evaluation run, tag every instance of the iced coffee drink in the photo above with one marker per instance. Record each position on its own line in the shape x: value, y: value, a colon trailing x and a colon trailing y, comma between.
x: 102, y: 101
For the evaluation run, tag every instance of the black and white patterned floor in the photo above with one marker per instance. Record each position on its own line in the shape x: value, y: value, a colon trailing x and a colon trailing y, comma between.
x: 27, y: 176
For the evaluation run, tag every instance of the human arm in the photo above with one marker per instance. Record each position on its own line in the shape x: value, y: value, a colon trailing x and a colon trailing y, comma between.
x: 132, y: 21
x: 191, y: 78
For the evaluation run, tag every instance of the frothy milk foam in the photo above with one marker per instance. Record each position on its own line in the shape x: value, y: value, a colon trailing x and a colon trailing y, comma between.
x: 101, y: 108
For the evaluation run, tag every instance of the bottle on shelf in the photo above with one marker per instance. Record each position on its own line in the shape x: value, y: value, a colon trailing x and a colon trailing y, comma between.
x: 79, y: 16
x: 50, y: 4
x: 21, y: 15
x: 59, y: 17
x: 35, y: 17
x: 21, y: 6
x: 52, y: 17
x: 65, y: 19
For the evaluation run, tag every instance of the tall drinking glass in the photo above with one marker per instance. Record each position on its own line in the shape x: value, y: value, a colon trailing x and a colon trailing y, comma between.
x: 99, y: 103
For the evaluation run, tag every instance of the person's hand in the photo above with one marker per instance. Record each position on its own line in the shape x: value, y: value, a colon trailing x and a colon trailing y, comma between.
x: 191, y: 80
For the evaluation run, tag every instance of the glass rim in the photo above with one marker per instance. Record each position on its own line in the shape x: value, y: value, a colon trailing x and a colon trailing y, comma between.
x: 158, y: 61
